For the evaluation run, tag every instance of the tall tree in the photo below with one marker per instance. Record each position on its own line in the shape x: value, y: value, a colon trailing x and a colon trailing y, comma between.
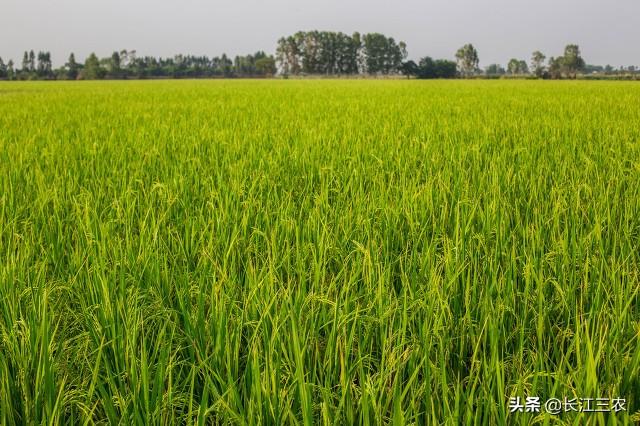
x: 409, y: 68
x: 537, y: 63
x: 44, y: 68
x: 32, y: 61
x: 124, y: 59
x: 3, y: 69
x: 25, y: 62
x: 512, y: 66
x: 288, y: 54
x: 468, y: 60
x: 517, y: 67
x: 572, y: 61
x: 359, y: 53
x: 11, y: 74
x: 382, y: 55
x: 114, y: 65
x: 445, y: 68
x: 226, y: 65
x: 132, y: 63
x: 40, y: 64
x: 266, y: 66
x: 555, y: 67
x: 428, y: 68
x: 331, y: 53
x: 494, y: 69
x: 72, y: 67
x: 523, y: 68
x: 92, y: 69
x: 349, y: 62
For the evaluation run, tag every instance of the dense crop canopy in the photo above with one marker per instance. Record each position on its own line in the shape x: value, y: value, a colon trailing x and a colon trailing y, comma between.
x: 330, y: 252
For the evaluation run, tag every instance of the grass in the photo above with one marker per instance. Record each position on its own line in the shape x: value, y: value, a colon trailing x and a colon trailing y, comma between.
x: 317, y: 252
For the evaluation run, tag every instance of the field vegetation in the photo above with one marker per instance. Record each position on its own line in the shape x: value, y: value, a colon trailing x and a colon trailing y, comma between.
x: 317, y: 252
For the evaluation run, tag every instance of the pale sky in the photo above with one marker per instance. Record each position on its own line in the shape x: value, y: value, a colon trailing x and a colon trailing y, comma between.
x: 607, y: 31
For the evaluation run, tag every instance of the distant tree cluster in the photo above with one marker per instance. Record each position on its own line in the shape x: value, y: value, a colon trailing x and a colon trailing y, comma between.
x: 517, y: 67
x: 468, y: 60
x: 608, y: 70
x: 40, y: 68
x: 336, y: 53
x: 494, y: 70
x: 567, y: 65
x: 430, y: 68
x: 310, y: 53
x: 127, y: 65
x: 537, y: 63
x: 7, y: 71
x: 466, y: 65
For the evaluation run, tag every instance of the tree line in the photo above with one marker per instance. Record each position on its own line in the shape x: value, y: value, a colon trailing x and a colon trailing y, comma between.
x: 307, y: 53
x: 128, y: 65
x: 569, y: 65
x: 336, y: 53
x: 565, y: 66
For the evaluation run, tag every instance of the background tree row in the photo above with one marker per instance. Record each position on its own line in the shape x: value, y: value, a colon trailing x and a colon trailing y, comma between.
x: 126, y: 64
x: 310, y: 53
x: 336, y: 53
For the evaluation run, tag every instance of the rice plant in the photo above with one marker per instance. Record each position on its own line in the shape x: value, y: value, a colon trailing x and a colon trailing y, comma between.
x: 318, y: 252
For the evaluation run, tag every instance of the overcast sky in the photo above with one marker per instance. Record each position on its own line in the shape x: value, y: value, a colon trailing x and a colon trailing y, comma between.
x: 607, y: 31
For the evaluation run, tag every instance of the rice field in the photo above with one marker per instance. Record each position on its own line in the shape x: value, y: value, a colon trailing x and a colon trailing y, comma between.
x: 318, y: 252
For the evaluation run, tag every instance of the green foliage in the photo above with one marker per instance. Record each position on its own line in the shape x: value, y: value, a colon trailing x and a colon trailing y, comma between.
x: 572, y: 61
x: 319, y: 52
x: 567, y: 65
x: 72, y: 68
x: 468, y: 60
x: 28, y: 70
x: 494, y: 70
x: 555, y: 67
x: 428, y: 68
x: 331, y: 53
x: 31, y: 62
x: 44, y: 68
x: 114, y: 66
x: 25, y: 62
x: 409, y: 68
x: 381, y: 54
x: 537, y: 63
x: 266, y: 66
x: 93, y: 69
x: 517, y: 67
x: 257, y: 65
x: 283, y: 252
x: 310, y: 53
